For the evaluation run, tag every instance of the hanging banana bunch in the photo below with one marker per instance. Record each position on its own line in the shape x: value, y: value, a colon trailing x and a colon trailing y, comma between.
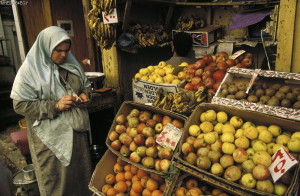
x: 104, y: 34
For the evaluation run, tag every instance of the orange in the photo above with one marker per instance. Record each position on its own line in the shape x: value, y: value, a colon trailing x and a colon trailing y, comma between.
x: 157, y: 193
x: 129, y: 185
x: 135, y: 178
x: 144, y: 180
x: 137, y: 187
x: 127, y: 167
x: 110, y: 179
x: 146, y: 192
x: 120, y: 177
x: 120, y: 194
x: 157, y: 178
x: 190, y: 183
x: 151, y: 184
x: 121, y: 161
x: 134, y: 169
x: 121, y: 186
x: 216, y: 192
x: 132, y: 193
x: 141, y: 173
x: 163, y: 187
x: 111, y: 192
x: 180, y: 191
x: 195, y: 191
x: 118, y: 168
x: 128, y: 175
x: 105, y: 188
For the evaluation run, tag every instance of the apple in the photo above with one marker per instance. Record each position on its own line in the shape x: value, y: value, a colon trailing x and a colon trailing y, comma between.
x: 151, y: 123
x: 150, y: 141
x: 279, y: 188
x: 212, y: 67
x: 148, y: 131
x: 191, y: 66
x: 190, y: 139
x: 202, y: 151
x: 240, y: 155
x: 148, y: 162
x: 164, y: 165
x: 209, y: 82
x: 217, y: 146
x: 133, y: 146
x: 120, y: 129
x: 144, y: 116
x: 208, y: 58
x: 121, y: 119
x: 196, y: 80
x: 191, y: 71
x: 200, y: 64
x: 218, y: 75
x: 226, y: 161
x: 203, y: 162
x: 217, y: 169
x: 134, y: 157
x: 116, y: 145
x: 113, y: 136
x: 157, y: 118
x: 140, y: 127
x: 132, y: 132
x: 126, y: 140
x: 165, y: 153
x: 189, y: 76
x: 231, y: 62
x: 222, y: 66
x: 265, y: 186
x: 248, y: 55
x: 223, y: 54
x: 199, y: 143
x: 294, y: 145
x: 236, y: 121
x: 156, y: 164
x: 181, y: 191
x: 141, y: 151
x: 194, y: 130
x: 207, y: 74
x: 191, y: 158
x: 232, y: 173
x: 248, y: 180
x: 189, y: 86
x: 158, y: 127
x: 217, y: 85
x: 198, y: 72
x: 220, y: 59
x: 134, y: 113
x: 197, y: 86
x: 177, y: 123
x: 186, y: 148
x: 152, y: 152
x: 247, y: 61
x: 166, y: 120
x: 139, y: 139
x: 125, y: 151
x: 261, y: 172
x: 181, y: 75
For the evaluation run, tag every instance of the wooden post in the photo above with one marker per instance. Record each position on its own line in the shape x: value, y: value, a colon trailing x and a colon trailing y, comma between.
x: 47, y: 12
x: 296, y: 49
x: 285, y: 35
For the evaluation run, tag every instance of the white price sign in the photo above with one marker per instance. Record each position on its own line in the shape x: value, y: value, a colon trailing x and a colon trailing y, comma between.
x: 169, y: 136
x: 110, y: 18
x: 237, y: 54
x: 282, y: 161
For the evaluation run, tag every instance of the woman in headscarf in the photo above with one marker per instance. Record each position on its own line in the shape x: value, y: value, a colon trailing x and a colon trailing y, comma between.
x: 49, y: 90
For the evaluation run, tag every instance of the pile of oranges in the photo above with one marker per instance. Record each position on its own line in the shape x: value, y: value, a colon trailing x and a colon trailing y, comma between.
x: 192, y: 187
x: 128, y: 179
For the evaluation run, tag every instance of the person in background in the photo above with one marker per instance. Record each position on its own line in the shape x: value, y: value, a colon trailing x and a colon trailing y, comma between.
x: 52, y: 92
x: 182, y: 49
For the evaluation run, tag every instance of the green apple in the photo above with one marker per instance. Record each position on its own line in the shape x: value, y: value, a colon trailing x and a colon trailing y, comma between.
x: 248, y: 180
x: 248, y: 166
x: 210, y: 115
x: 277, y: 146
x: 242, y: 142
x: 248, y: 124
x: 275, y: 130
x: 283, y: 139
x: 239, y: 133
x: 218, y: 128
x: 265, y: 136
x: 206, y: 127
x: 250, y: 152
x: 236, y: 121
x: 279, y: 188
x: 260, y: 146
x: 228, y: 128
x: 222, y: 117
x: 296, y: 135
x: 194, y: 130
x: 270, y: 148
x: 294, y: 145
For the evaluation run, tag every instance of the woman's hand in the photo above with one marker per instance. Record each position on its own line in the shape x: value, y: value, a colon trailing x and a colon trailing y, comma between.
x: 65, y: 103
x: 85, y: 100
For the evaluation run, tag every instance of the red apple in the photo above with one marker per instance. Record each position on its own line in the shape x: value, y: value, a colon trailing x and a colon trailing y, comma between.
x: 231, y: 62
x: 189, y: 76
x: 216, y: 85
x: 247, y: 61
x: 151, y: 123
x: 211, y: 91
x: 191, y: 66
x: 120, y: 129
x: 240, y: 155
x: 113, y: 136
x: 223, y: 54
x: 195, y: 80
x: 199, y: 72
x: 211, y: 67
x: 189, y: 86
x: 208, y: 58
x: 218, y: 75
x: 139, y: 139
x: 220, y: 59
x: 190, y: 71
x: 200, y: 64
x: 207, y: 74
x: 157, y: 118
x: 116, y: 145
x: 140, y: 127
x: 222, y: 66
x: 150, y: 141
x: 197, y: 86
x: 134, y: 157
x: 177, y: 123
x: 121, y: 119
x: 166, y: 120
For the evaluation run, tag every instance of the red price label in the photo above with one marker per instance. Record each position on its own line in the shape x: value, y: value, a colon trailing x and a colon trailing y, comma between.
x: 169, y: 136
x: 282, y: 161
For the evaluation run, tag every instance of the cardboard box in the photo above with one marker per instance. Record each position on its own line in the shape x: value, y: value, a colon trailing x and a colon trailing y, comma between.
x: 204, y: 36
x: 105, y: 166
x: 146, y: 92
x: 257, y: 118
x: 290, y: 79
x: 125, y: 109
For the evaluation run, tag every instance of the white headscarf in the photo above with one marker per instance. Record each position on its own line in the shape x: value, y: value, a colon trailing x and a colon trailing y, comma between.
x: 38, y: 79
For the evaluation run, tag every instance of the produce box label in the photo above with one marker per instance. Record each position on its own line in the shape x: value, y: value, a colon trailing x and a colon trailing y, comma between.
x: 146, y: 92
x: 282, y: 161
x: 169, y: 136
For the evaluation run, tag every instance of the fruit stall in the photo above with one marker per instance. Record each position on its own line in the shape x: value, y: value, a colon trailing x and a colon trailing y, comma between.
x: 227, y: 124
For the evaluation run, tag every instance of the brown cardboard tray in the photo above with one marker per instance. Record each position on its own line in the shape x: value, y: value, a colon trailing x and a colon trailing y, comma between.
x: 105, y: 166
x: 125, y: 108
x: 246, y: 115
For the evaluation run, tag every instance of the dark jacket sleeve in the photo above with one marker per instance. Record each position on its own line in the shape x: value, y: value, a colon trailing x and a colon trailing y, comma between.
x: 39, y: 110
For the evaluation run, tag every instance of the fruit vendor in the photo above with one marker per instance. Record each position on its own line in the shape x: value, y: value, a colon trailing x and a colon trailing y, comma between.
x: 182, y: 48
x: 52, y: 92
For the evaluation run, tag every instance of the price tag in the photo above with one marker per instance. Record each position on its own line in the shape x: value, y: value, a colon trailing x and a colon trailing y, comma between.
x: 282, y: 161
x: 237, y: 54
x: 255, y: 74
x: 110, y: 18
x: 169, y: 136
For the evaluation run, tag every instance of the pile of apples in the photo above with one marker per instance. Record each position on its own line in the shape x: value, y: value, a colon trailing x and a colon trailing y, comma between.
x: 161, y: 73
x: 134, y: 136
x: 127, y: 179
x: 211, y: 69
x: 192, y: 186
x: 239, y: 150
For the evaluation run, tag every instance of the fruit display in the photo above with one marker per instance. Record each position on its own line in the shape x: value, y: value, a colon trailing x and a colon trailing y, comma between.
x: 271, y: 93
x: 161, y: 73
x: 186, y: 23
x: 238, y: 150
x: 210, y: 70
x: 183, y: 102
x: 190, y: 185
x: 104, y: 34
x: 149, y: 35
x: 133, y: 137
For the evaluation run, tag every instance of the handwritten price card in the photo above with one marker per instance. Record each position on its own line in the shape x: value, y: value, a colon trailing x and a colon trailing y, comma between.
x: 237, y: 54
x: 282, y: 161
x: 169, y: 136
x: 110, y: 18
